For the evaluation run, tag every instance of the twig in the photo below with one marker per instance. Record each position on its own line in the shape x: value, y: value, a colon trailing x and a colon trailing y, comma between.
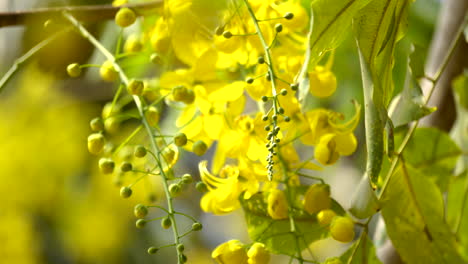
x: 85, y: 13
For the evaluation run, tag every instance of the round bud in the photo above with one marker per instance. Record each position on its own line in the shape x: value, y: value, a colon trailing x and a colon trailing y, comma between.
x: 287, y: 119
x: 317, y: 198
x: 249, y: 80
x: 187, y: 178
x: 219, y: 30
x: 96, y: 143
x: 180, y: 248
x: 288, y: 15
x: 278, y: 27
x: 174, y: 189
x: 227, y: 34
x: 140, y: 223
x: 342, y: 229
x: 260, y: 60
x: 199, y: 148
x: 197, y: 226
x: 152, y: 116
x: 125, y: 17
x: 180, y: 139
x: 126, y: 166
x: 183, y: 258
x: 284, y: 92
x: 133, y: 44
x: 140, y: 210
x: 189, y: 97
x: 156, y: 59
x: 96, y: 124
x: 294, y: 86
x: 152, y: 250
x: 135, y: 87
x: 125, y: 192
x: 140, y: 151
x: 179, y: 93
x: 106, y: 165
x: 74, y: 70
x: 108, y: 72
x: 265, y: 118
x: 166, y: 222
x: 281, y: 110
x: 325, y: 217
x: 264, y: 98
x: 201, y: 187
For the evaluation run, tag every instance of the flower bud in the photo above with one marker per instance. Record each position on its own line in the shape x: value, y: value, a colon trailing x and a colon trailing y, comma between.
x: 317, y: 198
x: 96, y: 143
x: 342, y: 229
x: 258, y: 254
x: 231, y: 252
x: 277, y: 204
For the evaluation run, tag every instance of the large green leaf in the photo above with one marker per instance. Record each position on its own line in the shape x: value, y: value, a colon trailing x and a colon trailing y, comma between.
x: 413, y: 211
x: 330, y: 22
x: 374, y: 123
x: 433, y: 153
x: 457, y: 210
x: 276, y: 234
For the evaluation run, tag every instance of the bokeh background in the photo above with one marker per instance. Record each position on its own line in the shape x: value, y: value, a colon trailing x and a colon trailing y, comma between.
x: 55, y: 207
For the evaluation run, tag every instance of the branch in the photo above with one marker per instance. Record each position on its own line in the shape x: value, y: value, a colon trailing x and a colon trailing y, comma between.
x: 86, y: 13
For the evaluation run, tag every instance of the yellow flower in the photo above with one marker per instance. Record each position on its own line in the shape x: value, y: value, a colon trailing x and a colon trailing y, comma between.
x: 258, y: 254
x: 223, y: 192
x: 322, y: 82
x: 277, y: 204
x: 326, y: 151
x: 230, y: 252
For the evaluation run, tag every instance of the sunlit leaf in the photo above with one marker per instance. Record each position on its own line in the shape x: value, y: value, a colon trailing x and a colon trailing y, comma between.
x: 433, y: 153
x: 409, y: 105
x: 275, y: 234
x: 413, y: 211
x: 457, y: 210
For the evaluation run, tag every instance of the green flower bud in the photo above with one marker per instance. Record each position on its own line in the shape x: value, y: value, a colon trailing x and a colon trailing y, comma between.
x: 152, y: 250
x: 197, y: 226
x: 140, y: 223
x: 125, y: 17
x: 174, y: 189
x: 126, y: 166
x: 180, y: 139
x: 96, y: 124
x: 125, y: 192
x: 201, y: 187
x: 96, y: 143
x: 166, y: 222
x: 135, y: 87
x: 140, y: 210
x: 140, y: 151
x: 199, y: 148
x: 106, y: 165
x: 74, y: 70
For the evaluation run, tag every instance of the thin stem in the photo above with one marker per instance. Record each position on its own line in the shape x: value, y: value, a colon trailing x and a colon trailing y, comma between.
x: 434, y: 81
x: 86, y: 13
x: 139, y: 105
x: 125, y: 142
x: 28, y: 55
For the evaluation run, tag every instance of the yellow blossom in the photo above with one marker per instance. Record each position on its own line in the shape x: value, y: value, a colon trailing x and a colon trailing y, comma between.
x: 230, y: 252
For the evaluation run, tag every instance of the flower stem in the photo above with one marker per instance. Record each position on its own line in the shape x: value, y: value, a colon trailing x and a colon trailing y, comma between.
x: 109, y: 56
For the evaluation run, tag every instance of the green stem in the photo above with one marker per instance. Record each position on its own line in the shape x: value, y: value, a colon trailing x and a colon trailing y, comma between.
x: 21, y: 60
x: 109, y: 56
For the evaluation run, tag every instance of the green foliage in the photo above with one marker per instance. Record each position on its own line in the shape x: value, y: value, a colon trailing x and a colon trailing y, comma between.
x: 457, y: 210
x: 433, y: 153
x: 413, y: 211
x: 362, y: 251
x: 276, y: 234
x: 330, y: 24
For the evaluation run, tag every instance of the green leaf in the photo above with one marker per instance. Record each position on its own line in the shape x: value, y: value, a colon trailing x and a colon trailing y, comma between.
x: 409, y: 105
x: 457, y: 210
x: 373, y: 123
x: 460, y: 85
x: 330, y: 23
x: 276, y: 234
x: 362, y: 251
x: 417, y: 61
x: 378, y: 28
x: 364, y: 203
x: 413, y: 211
x: 433, y: 153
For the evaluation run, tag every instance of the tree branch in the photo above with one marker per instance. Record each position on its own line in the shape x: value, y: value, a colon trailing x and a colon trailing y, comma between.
x: 86, y: 13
